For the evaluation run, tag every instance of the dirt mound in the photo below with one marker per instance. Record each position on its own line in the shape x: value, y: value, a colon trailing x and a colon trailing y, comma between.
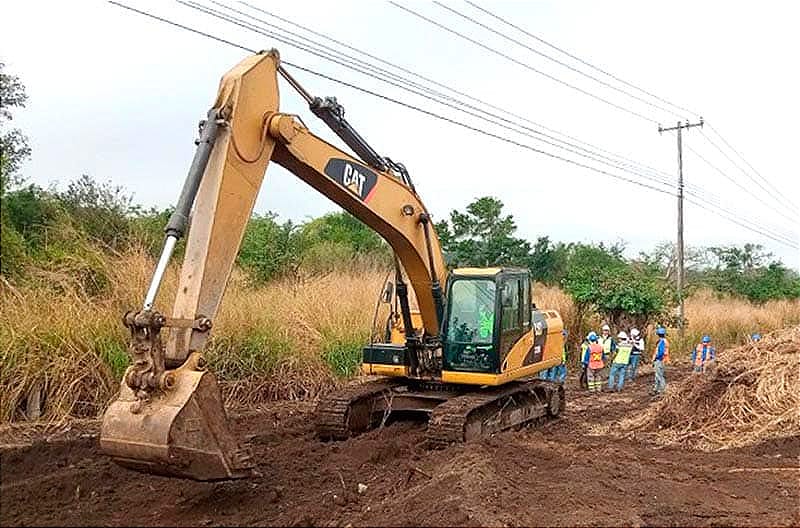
x: 751, y: 395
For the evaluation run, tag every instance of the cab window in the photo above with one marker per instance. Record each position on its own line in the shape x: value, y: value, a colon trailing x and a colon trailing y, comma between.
x: 471, y: 311
x: 510, y: 304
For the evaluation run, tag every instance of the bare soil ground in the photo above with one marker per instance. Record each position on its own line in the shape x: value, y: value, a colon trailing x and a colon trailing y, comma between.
x: 578, y: 470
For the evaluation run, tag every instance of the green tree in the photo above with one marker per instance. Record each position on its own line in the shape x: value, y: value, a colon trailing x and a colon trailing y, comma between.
x: 749, y: 271
x: 599, y: 278
x: 270, y: 249
x: 548, y: 261
x: 483, y: 236
x: 14, y: 147
x: 101, y: 210
x: 345, y: 229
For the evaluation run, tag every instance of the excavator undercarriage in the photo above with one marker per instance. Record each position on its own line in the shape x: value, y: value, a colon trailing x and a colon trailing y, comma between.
x: 454, y: 413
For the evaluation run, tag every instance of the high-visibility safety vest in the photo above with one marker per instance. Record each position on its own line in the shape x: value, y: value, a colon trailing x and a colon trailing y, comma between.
x: 564, y: 354
x: 623, y: 354
x: 605, y: 342
x: 595, y: 356
x: 485, y: 324
x: 702, y: 354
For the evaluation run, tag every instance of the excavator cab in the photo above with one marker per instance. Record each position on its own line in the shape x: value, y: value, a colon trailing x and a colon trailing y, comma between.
x: 488, y: 310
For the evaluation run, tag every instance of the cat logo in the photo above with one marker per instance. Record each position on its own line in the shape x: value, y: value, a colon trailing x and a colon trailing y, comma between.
x: 352, y: 179
x: 357, y: 179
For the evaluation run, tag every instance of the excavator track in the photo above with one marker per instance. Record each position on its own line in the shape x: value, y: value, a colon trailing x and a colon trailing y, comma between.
x: 480, y: 414
x: 350, y: 411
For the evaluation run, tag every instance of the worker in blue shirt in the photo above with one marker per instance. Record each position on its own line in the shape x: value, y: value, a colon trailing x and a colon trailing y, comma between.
x: 660, y: 357
x: 703, y: 354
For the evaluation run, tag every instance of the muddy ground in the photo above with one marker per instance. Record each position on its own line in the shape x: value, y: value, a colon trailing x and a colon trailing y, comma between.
x: 569, y: 472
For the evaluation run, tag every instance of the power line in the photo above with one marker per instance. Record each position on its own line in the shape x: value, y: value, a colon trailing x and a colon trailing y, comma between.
x: 452, y: 10
x: 739, y: 185
x: 291, y: 42
x: 627, y: 163
x: 460, y: 93
x: 774, y: 196
x: 523, y: 64
x: 548, y: 57
x: 715, y: 203
x: 790, y: 203
x: 749, y: 226
x: 439, y: 95
x: 436, y: 116
x: 582, y: 61
x: 327, y: 56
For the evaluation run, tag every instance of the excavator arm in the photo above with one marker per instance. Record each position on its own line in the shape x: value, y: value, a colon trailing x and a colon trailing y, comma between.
x: 169, y: 416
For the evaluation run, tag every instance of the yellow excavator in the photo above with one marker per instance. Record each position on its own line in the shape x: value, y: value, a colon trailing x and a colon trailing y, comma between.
x: 466, y: 356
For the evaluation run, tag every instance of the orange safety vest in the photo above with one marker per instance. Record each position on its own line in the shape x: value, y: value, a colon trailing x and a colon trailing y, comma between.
x: 595, y: 356
x: 698, y: 357
x: 665, y: 359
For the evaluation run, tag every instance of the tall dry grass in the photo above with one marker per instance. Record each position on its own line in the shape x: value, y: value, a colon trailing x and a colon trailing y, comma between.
x: 291, y: 338
x: 288, y: 339
x: 731, y: 321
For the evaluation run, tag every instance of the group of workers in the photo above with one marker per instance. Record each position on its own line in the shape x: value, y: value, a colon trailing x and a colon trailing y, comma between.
x: 625, y: 352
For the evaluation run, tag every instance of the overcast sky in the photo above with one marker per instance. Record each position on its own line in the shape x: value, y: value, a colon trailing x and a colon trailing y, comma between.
x: 118, y: 96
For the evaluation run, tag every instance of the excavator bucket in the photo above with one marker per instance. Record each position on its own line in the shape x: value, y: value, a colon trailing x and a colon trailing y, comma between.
x: 181, y: 431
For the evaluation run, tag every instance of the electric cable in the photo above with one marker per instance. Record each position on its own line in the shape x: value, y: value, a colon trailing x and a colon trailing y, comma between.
x: 755, y: 229
x: 327, y: 56
x: 520, y: 63
x: 777, y: 198
x: 553, y: 59
x: 582, y: 61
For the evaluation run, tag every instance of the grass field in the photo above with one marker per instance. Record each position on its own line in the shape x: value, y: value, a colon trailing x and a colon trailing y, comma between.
x: 291, y: 338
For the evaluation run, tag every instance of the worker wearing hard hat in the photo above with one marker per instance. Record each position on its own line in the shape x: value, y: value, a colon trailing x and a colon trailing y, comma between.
x: 593, y: 361
x: 704, y: 353
x: 756, y: 337
x: 606, y: 341
x: 620, y: 363
x: 660, y: 357
x: 637, y: 344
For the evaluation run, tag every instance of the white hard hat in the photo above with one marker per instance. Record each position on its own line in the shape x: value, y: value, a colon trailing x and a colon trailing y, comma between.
x: 634, y: 332
x: 606, y: 327
x: 622, y: 335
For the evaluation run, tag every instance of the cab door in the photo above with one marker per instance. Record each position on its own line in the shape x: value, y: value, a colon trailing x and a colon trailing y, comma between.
x: 514, y: 311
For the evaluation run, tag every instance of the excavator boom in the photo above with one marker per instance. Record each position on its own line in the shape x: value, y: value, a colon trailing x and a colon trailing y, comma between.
x: 169, y: 416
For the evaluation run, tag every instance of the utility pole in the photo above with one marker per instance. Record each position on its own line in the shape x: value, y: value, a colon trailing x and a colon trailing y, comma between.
x: 680, y: 126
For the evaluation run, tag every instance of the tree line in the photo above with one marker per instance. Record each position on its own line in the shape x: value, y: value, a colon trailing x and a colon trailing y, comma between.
x: 72, y: 229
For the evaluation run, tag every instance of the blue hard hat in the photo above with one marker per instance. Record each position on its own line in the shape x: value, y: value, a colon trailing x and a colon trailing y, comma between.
x: 564, y: 332
x: 592, y: 336
x: 661, y: 331
x: 756, y: 337
x: 706, y: 339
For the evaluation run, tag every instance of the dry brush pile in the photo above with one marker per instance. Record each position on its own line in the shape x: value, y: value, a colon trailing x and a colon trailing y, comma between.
x: 751, y: 395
